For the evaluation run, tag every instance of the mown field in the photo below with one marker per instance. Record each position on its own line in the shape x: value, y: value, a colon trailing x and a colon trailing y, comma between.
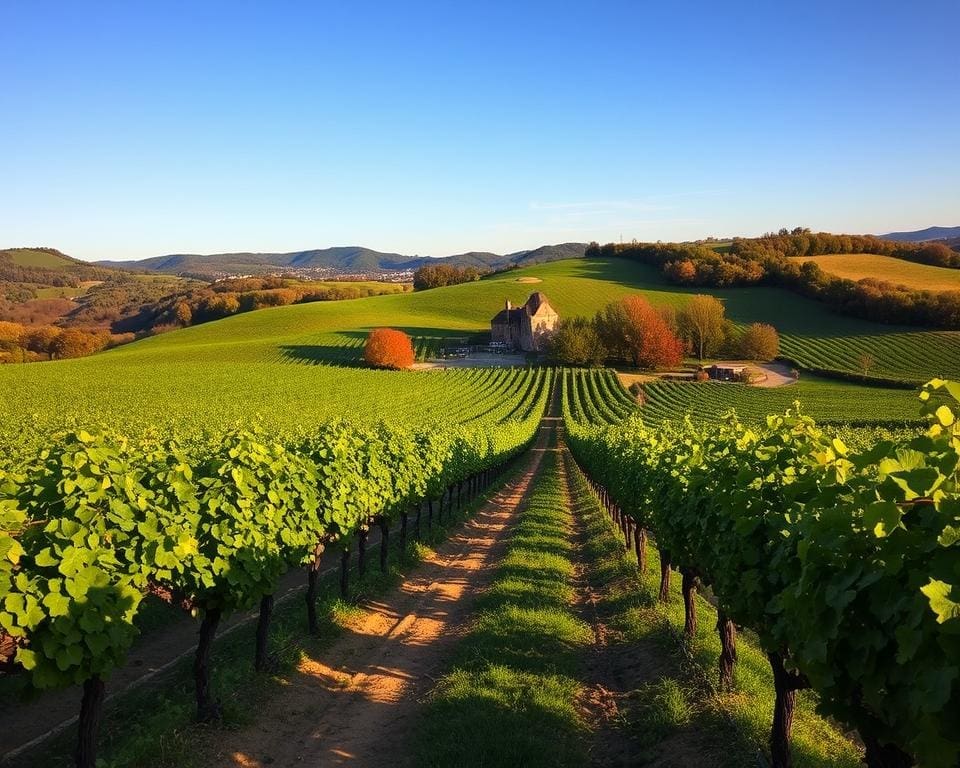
x: 857, y: 266
x: 294, y: 365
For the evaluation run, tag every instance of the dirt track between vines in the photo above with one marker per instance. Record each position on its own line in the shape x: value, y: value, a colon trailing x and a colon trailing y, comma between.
x: 358, y: 703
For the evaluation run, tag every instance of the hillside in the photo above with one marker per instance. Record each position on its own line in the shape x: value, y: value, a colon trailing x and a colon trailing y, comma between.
x: 344, y: 260
x: 857, y: 266
x: 46, y: 266
x: 288, y: 365
x: 920, y: 235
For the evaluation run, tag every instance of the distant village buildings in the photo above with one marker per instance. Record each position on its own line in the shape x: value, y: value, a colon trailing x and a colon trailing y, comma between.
x: 527, y: 327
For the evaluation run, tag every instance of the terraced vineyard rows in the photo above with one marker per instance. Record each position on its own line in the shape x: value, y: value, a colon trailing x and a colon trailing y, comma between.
x: 188, y: 399
x: 827, y: 401
x: 912, y: 356
x: 596, y: 396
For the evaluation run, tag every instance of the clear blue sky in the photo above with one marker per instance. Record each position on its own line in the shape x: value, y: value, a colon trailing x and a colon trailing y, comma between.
x: 132, y: 129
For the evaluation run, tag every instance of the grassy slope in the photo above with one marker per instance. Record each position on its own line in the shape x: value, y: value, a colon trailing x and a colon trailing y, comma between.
x: 31, y: 257
x: 265, y: 362
x: 856, y: 266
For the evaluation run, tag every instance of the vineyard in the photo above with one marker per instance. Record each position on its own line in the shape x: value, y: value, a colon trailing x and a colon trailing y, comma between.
x: 95, y: 521
x: 299, y: 362
x: 826, y: 401
x: 844, y: 563
x: 203, y: 467
x: 190, y: 399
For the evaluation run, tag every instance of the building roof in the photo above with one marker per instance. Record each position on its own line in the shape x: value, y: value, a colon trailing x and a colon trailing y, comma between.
x: 536, y: 302
x: 507, y: 316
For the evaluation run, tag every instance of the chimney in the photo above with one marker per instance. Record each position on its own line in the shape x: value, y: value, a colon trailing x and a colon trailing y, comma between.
x: 509, y: 306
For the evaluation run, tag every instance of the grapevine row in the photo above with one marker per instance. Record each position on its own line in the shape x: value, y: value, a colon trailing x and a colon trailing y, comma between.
x: 845, y: 563
x: 96, y: 521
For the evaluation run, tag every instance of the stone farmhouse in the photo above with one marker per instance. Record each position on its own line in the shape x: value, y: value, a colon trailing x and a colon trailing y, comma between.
x: 527, y: 327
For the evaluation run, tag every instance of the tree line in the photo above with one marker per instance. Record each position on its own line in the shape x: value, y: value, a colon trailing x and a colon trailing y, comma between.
x: 767, y: 261
x: 440, y: 275
x: 634, y: 332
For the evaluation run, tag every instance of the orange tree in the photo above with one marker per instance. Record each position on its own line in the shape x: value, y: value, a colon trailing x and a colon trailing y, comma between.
x: 388, y: 348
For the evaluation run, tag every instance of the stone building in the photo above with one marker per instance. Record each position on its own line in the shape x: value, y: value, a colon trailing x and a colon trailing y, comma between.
x: 527, y: 327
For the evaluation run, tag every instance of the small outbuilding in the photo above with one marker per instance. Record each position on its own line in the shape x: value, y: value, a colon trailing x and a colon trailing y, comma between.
x: 726, y: 372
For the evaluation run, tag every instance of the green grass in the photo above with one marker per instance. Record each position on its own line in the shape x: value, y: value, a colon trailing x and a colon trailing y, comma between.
x: 32, y: 257
x: 676, y: 714
x: 275, y: 365
x: 60, y: 293
x: 510, y: 697
x: 857, y: 266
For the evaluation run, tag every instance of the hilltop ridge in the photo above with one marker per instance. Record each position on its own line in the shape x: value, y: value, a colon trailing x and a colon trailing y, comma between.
x: 339, y: 260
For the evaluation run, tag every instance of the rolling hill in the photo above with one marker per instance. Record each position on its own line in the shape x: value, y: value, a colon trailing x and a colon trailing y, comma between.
x: 857, y: 266
x: 286, y: 364
x: 920, y: 235
x: 352, y: 260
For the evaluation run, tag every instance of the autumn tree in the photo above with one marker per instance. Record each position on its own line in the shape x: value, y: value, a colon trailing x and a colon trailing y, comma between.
x: 760, y: 342
x: 866, y: 361
x: 388, y: 348
x: 575, y: 341
x: 40, y: 338
x: 183, y: 313
x: 701, y: 322
x: 11, y: 334
x: 77, y: 343
x: 439, y: 275
x: 683, y: 271
x: 649, y: 341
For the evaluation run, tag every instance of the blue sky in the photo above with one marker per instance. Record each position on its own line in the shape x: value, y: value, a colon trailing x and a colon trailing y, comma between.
x: 134, y: 129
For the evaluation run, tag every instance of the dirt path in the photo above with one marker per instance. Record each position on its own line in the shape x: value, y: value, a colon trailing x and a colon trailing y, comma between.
x: 358, y: 703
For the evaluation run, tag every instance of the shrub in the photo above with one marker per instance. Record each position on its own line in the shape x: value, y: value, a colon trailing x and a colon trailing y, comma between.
x: 576, y: 342
x: 388, y: 348
x: 760, y: 342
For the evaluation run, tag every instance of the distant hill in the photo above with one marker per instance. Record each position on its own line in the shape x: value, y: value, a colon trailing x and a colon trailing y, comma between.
x: 47, y: 267
x: 344, y: 260
x: 930, y: 233
x: 43, y: 258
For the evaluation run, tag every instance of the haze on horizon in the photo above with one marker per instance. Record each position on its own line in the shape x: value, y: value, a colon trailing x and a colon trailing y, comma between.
x: 131, y: 131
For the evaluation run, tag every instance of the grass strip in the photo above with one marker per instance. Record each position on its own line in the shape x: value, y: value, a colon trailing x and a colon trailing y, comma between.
x: 510, y: 696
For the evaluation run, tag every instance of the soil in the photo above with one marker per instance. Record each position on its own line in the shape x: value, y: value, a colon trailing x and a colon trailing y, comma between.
x: 27, y: 724
x: 359, y: 702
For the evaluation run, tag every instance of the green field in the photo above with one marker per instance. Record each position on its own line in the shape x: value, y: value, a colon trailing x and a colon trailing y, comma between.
x: 857, y: 266
x: 32, y: 257
x: 275, y: 365
x: 824, y: 399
